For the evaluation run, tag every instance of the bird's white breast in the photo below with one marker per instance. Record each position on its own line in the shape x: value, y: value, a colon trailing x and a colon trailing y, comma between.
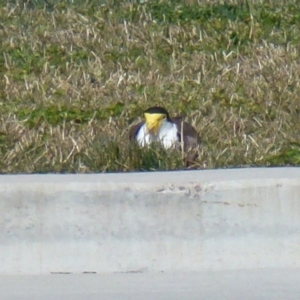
x: 167, y: 135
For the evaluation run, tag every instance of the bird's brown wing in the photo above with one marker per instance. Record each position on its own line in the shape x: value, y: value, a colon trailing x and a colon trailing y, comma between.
x: 187, y: 133
x: 133, y: 130
x: 191, y: 141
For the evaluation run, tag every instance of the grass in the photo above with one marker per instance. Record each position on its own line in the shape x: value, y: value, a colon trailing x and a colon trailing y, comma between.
x: 76, y: 74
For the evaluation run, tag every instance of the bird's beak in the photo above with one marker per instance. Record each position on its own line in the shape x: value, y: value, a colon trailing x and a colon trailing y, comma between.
x: 153, y: 122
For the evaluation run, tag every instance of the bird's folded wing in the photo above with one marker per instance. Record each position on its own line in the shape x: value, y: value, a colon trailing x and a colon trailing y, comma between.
x: 133, y: 131
x: 187, y: 133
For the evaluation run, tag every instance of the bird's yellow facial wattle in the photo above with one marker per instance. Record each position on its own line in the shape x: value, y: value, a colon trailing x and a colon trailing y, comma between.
x: 154, y: 122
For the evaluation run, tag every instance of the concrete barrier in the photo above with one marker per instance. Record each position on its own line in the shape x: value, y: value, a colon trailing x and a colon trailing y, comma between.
x: 150, y: 222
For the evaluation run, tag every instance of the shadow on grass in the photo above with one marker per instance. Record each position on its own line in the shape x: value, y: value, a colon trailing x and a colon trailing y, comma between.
x: 288, y: 155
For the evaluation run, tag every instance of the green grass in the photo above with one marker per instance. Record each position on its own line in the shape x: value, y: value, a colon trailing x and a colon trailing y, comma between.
x: 76, y: 74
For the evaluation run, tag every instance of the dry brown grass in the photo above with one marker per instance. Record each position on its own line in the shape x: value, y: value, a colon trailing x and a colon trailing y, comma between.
x: 74, y: 78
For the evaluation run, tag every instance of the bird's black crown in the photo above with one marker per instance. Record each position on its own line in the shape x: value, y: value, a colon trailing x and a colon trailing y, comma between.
x: 157, y: 110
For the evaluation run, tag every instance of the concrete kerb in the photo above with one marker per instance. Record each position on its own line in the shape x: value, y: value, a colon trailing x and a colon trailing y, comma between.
x: 150, y: 222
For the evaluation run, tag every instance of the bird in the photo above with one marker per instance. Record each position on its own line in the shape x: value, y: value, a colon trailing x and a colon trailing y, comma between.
x: 170, y: 132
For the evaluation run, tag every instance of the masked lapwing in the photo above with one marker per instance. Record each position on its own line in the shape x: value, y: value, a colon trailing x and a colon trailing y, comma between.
x: 170, y: 132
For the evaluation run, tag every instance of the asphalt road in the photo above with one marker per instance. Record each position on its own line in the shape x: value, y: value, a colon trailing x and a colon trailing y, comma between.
x: 270, y: 284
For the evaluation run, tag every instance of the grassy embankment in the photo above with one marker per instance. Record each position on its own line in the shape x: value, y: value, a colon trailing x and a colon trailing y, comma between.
x: 74, y: 77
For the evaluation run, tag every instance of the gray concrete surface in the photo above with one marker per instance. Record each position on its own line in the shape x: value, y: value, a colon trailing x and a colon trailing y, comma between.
x: 272, y: 284
x: 150, y: 222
